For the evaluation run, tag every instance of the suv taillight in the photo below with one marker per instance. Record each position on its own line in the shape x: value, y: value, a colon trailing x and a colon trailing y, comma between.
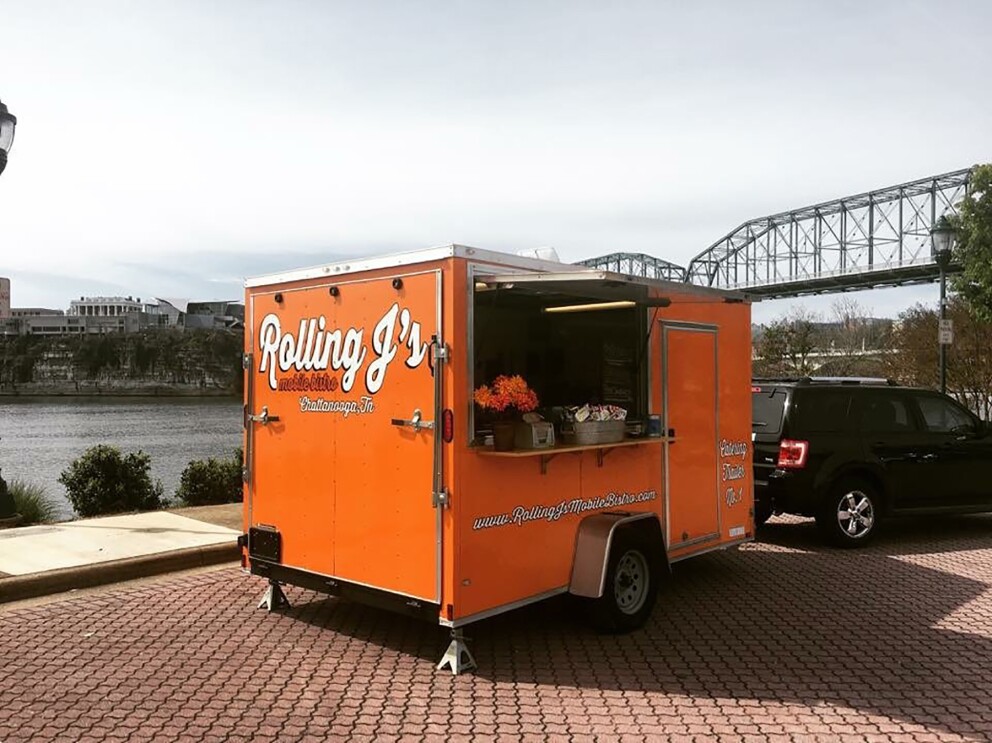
x: 792, y: 455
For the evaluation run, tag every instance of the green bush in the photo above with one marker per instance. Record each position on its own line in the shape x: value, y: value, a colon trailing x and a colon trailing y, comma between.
x: 33, y: 503
x: 104, y: 481
x: 210, y: 482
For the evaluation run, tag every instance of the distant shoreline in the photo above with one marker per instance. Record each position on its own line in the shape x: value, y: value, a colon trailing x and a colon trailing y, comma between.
x: 49, y: 392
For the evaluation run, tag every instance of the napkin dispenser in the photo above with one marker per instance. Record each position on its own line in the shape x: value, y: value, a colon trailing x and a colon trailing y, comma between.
x: 536, y: 435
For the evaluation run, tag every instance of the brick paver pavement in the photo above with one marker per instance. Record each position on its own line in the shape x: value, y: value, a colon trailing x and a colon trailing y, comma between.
x: 781, y: 640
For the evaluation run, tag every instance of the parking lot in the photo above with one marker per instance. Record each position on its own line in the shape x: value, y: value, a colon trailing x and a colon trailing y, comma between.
x: 781, y: 640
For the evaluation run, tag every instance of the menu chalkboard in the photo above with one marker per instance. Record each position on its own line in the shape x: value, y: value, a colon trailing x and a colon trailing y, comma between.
x: 618, y: 375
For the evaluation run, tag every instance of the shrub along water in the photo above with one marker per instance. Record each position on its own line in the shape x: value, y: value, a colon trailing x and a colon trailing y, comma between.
x: 104, y: 481
x: 211, y: 482
x: 33, y: 503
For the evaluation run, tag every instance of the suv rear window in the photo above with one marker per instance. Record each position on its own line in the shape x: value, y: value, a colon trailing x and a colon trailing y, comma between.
x: 820, y: 410
x: 767, y: 409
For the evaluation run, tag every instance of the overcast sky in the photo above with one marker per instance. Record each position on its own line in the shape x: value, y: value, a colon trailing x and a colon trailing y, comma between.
x: 172, y: 148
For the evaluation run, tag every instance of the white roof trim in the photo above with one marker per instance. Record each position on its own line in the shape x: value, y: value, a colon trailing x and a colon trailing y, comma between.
x: 396, y: 260
x: 552, y: 277
x: 478, y: 256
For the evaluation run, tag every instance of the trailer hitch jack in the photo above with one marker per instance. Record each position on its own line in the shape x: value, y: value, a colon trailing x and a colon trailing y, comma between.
x: 273, y: 599
x: 457, y: 657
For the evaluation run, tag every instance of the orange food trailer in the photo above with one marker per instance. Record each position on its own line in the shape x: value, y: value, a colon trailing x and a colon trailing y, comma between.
x: 371, y: 472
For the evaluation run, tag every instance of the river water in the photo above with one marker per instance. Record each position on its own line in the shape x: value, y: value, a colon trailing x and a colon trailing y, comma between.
x: 39, y: 437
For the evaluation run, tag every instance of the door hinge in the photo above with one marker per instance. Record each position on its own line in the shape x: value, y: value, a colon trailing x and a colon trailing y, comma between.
x: 441, y: 352
x: 245, y: 474
x: 246, y: 361
x: 441, y: 499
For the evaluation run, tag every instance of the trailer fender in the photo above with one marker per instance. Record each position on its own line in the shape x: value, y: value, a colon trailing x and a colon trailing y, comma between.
x: 592, y: 548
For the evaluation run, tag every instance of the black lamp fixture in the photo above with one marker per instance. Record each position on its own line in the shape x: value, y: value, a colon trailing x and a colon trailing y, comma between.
x: 944, y: 236
x: 7, y: 124
x: 8, y: 511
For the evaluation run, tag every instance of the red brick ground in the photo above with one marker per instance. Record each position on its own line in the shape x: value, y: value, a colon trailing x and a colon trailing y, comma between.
x: 782, y: 640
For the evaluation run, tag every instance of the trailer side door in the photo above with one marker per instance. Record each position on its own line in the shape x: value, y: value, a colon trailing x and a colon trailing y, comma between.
x: 691, y: 414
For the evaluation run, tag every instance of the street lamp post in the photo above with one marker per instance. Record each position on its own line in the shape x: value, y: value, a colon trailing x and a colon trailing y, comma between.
x: 8, y: 514
x: 943, y: 235
x: 7, y: 124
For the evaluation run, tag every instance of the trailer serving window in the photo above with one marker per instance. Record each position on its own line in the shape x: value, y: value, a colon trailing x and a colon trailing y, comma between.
x: 575, y: 338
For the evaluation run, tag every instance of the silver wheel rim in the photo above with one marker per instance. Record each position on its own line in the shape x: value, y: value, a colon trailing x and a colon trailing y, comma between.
x: 630, y: 584
x: 855, y: 514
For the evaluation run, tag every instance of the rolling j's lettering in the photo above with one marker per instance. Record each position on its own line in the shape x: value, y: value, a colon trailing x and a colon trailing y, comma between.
x: 315, y: 347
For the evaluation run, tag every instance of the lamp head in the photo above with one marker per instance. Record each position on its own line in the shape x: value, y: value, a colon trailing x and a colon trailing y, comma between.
x: 943, y: 235
x: 7, y: 124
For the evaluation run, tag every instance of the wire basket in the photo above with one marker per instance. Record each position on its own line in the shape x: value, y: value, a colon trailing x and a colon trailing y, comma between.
x: 587, y: 433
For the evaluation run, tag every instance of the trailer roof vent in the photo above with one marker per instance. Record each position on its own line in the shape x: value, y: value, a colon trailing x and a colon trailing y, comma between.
x: 544, y: 253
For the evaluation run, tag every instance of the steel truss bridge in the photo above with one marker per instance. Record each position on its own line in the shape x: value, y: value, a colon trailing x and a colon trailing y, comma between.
x: 875, y: 239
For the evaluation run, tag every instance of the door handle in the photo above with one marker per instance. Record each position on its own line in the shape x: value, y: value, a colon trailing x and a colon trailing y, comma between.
x: 264, y: 417
x: 416, y: 422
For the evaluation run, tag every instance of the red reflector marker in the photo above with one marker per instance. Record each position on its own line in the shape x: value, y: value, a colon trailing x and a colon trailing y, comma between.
x: 447, y: 426
x: 792, y: 455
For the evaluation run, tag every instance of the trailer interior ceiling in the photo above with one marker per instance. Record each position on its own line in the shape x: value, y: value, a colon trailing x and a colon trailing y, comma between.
x: 585, y: 286
x: 594, y: 351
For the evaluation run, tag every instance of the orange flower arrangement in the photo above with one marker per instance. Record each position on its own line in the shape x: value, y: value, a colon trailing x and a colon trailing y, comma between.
x: 506, y: 394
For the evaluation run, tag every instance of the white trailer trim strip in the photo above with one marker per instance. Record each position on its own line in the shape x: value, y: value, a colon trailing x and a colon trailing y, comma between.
x: 502, y: 609
x: 412, y: 257
x: 491, y: 257
x: 714, y: 548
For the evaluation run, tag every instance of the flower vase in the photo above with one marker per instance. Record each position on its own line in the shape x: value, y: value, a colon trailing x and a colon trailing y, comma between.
x: 504, y: 433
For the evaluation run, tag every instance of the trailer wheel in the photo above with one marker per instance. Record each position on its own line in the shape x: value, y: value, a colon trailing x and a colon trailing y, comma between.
x: 631, y: 585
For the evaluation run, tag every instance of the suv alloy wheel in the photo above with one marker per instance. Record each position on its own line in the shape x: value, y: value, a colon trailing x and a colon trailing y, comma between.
x: 850, y: 513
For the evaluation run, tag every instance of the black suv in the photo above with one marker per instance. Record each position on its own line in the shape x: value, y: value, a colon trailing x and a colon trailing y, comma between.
x: 851, y: 451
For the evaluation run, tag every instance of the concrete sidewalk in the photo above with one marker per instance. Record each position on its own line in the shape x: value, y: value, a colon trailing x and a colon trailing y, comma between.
x: 49, y: 558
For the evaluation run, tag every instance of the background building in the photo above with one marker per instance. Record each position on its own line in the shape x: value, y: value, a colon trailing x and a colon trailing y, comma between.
x: 95, y: 315
x: 33, y: 312
x: 4, y: 298
x: 170, y: 311
x: 215, y: 315
x: 104, y: 306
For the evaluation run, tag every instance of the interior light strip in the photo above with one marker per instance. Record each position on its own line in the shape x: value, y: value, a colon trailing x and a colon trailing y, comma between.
x: 591, y: 306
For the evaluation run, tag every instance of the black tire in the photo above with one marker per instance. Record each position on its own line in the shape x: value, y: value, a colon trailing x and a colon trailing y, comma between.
x: 762, y: 512
x: 631, y: 586
x: 850, y: 514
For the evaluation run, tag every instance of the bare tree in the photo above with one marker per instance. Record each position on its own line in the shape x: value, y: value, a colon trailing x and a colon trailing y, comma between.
x: 856, y: 340
x: 914, y: 359
x: 784, y: 346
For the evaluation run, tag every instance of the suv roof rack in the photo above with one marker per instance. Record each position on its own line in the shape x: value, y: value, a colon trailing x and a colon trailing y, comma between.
x: 827, y: 380
x: 851, y: 380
